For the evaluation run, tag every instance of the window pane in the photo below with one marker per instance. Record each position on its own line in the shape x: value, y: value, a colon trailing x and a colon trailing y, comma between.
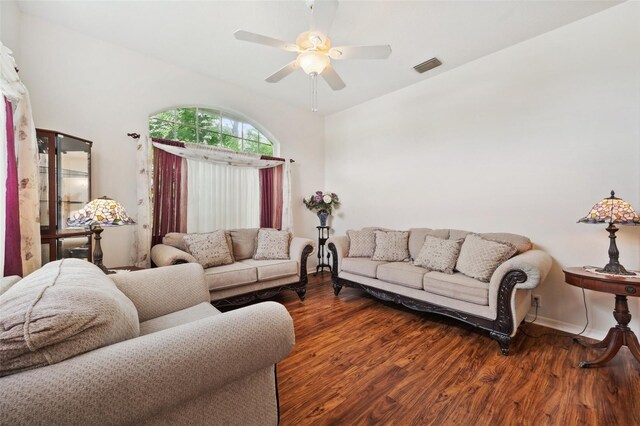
x: 251, y: 146
x: 186, y: 116
x: 209, y: 138
x: 263, y: 139
x: 208, y: 119
x: 161, y: 129
x: 166, y: 115
x: 231, y: 126
x: 231, y: 143
x: 265, y: 149
x: 250, y: 132
x: 186, y: 134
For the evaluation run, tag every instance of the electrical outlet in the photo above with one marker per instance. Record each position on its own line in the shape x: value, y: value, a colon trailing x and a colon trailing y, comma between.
x: 536, y: 300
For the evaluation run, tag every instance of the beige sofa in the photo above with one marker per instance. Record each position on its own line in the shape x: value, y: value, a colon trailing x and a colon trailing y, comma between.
x: 190, y: 363
x: 246, y: 279
x: 498, y: 306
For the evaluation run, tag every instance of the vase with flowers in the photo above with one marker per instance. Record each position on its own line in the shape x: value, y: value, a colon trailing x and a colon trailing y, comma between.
x: 323, y: 203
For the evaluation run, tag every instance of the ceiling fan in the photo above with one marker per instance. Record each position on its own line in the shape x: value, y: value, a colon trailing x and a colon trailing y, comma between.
x: 314, y: 50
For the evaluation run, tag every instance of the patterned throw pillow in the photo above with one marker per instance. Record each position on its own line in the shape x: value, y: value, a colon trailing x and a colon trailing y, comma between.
x: 211, y: 249
x: 438, y: 254
x: 479, y: 257
x: 362, y: 243
x: 391, y: 246
x: 272, y: 245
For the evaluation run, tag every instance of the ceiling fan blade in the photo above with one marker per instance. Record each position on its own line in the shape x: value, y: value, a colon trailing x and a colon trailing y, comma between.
x: 332, y: 78
x: 282, y: 72
x: 323, y: 13
x: 360, y: 52
x: 267, y: 41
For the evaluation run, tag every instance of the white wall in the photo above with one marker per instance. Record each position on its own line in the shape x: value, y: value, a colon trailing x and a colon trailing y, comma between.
x: 100, y: 92
x: 10, y: 26
x: 525, y: 140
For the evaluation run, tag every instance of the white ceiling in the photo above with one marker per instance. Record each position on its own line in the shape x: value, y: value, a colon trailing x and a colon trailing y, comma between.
x: 199, y: 36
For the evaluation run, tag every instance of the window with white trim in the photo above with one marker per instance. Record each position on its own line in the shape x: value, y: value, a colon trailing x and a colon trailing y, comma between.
x: 211, y: 127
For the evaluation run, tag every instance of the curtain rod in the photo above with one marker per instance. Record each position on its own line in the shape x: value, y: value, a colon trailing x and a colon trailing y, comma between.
x: 137, y: 136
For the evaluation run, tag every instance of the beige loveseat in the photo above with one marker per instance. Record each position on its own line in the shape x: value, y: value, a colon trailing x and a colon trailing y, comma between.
x: 497, y: 306
x: 183, y: 362
x: 245, y: 279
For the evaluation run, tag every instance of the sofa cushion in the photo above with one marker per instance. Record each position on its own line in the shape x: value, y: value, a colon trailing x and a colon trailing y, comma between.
x: 210, y: 249
x: 438, y: 254
x: 63, y: 309
x: 522, y: 243
x: 401, y: 273
x: 183, y: 316
x: 361, y: 266
x: 457, y: 286
x: 272, y: 244
x: 417, y: 236
x: 228, y: 276
x: 480, y: 257
x: 457, y: 234
x: 244, y: 242
x: 272, y: 269
x: 362, y: 243
x: 391, y: 246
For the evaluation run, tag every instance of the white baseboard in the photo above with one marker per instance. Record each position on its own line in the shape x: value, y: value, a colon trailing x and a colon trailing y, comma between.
x: 567, y: 327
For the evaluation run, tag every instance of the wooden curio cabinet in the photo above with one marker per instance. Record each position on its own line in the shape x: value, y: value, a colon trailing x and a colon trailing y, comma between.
x: 65, y: 186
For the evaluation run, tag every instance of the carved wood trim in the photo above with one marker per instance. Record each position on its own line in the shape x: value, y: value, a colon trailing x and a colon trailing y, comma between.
x: 499, y: 329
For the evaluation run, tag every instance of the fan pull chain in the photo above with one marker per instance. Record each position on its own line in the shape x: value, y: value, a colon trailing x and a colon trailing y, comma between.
x: 313, y: 86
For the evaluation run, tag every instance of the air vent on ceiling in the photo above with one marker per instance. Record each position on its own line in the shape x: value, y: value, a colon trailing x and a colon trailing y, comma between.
x: 427, y: 65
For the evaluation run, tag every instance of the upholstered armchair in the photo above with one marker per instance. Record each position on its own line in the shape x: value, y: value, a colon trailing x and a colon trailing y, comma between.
x: 187, y: 364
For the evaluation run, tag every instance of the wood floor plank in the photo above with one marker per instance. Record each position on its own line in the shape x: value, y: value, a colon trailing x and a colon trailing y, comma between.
x: 359, y: 361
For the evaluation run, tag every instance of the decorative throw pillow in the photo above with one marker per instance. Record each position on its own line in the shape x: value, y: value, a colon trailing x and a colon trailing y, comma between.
x: 211, y: 249
x: 362, y: 243
x: 391, y: 246
x: 479, y: 257
x: 63, y: 309
x: 272, y: 244
x: 438, y: 254
x: 244, y: 242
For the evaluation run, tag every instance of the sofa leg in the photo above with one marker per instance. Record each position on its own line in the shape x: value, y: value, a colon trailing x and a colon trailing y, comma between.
x: 336, y: 288
x: 301, y: 292
x: 503, y: 340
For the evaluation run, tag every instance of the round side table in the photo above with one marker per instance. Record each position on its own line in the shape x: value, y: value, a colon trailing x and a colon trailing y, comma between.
x: 620, y: 334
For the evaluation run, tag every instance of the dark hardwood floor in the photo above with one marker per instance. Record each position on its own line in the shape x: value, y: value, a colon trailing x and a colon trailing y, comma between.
x: 360, y: 361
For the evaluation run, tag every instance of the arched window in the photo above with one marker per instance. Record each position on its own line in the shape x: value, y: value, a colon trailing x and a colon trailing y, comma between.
x: 210, y: 127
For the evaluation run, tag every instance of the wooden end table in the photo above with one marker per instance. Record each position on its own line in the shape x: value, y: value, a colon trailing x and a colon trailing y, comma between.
x: 621, y: 334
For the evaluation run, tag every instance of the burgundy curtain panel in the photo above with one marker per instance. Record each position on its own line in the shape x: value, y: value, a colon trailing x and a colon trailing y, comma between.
x: 271, y: 197
x: 12, y: 257
x: 169, y: 193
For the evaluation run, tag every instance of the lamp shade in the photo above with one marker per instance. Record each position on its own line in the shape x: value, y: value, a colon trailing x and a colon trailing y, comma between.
x: 313, y: 61
x: 101, y: 212
x: 612, y: 210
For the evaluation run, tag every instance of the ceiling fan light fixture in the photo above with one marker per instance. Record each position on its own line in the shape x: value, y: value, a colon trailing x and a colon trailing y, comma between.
x: 313, y: 61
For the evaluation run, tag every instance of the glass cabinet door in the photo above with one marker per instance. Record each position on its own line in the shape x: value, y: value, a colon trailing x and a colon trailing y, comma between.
x: 76, y: 247
x: 73, y: 166
x: 43, y: 190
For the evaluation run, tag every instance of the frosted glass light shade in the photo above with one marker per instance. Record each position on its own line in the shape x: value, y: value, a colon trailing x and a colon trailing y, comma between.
x: 313, y: 61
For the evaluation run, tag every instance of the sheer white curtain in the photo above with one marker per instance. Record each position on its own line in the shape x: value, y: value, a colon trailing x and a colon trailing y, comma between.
x: 222, y: 197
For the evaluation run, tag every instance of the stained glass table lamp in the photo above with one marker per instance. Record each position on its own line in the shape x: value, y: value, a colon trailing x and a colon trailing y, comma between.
x: 614, y: 211
x: 97, y: 214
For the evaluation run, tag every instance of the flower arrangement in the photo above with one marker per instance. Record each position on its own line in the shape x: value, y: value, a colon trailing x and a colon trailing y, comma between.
x: 322, y: 201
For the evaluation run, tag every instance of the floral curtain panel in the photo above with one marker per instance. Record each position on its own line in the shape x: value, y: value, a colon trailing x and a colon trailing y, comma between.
x: 142, y: 231
x: 26, y: 152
